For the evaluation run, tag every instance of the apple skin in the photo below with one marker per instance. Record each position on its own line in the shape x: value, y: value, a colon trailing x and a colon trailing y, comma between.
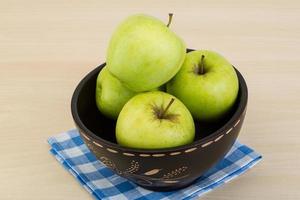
x: 144, y: 53
x: 208, y: 96
x: 111, y: 94
x: 139, y: 127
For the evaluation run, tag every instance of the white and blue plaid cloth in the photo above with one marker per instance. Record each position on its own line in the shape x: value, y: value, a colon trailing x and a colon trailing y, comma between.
x: 69, y: 149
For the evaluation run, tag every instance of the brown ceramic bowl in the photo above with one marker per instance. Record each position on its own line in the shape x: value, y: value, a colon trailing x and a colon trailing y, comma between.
x: 162, y: 169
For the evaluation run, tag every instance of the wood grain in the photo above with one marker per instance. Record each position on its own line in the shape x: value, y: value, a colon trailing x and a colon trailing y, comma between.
x: 46, y: 47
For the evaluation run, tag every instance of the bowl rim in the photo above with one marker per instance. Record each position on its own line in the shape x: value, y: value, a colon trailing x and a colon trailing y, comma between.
x: 242, y: 104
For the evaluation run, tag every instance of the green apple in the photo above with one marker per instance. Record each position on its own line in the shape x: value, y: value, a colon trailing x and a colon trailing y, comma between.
x: 207, y: 84
x: 144, y: 53
x: 111, y: 94
x: 154, y: 120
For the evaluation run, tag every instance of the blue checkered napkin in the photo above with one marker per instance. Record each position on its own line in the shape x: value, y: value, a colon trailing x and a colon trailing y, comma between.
x: 69, y: 149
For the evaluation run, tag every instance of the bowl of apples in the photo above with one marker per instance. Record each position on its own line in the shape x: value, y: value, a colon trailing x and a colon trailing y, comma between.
x: 155, y: 113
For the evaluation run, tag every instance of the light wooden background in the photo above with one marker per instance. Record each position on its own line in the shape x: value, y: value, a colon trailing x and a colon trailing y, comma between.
x: 46, y: 47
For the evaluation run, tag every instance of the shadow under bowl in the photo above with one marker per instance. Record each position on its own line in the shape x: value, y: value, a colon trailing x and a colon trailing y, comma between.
x: 162, y: 169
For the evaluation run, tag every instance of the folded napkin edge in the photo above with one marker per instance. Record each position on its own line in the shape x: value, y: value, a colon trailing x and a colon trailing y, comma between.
x: 78, y: 178
x: 226, y: 179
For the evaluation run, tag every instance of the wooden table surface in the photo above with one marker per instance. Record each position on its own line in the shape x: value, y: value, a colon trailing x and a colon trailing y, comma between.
x: 46, y: 47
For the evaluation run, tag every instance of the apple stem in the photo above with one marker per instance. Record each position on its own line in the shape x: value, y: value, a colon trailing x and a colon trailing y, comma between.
x: 162, y: 114
x: 170, y: 19
x: 201, y: 67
